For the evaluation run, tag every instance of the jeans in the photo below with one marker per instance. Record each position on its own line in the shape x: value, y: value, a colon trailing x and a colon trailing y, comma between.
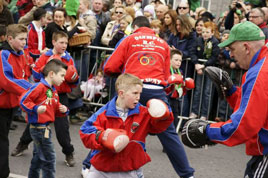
x: 44, y: 156
x: 202, y: 98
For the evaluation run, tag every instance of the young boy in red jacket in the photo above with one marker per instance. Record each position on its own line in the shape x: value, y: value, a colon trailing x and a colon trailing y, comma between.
x: 60, y: 41
x: 41, y: 103
x: 116, y: 133
x: 13, y: 83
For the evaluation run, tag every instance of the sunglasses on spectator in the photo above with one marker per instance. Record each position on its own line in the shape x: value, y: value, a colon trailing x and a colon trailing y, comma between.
x: 119, y: 12
x: 183, y: 8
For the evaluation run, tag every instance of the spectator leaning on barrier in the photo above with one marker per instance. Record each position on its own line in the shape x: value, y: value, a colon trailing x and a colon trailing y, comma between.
x: 205, y: 47
x: 248, y: 123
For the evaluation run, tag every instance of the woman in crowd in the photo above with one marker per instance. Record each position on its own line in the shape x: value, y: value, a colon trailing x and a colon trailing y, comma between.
x: 59, y: 16
x: 169, y: 25
x: 121, y: 33
x: 113, y: 26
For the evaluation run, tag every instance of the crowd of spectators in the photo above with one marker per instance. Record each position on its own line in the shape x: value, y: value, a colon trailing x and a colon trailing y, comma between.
x: 108, y: 22
x: 189, y: 28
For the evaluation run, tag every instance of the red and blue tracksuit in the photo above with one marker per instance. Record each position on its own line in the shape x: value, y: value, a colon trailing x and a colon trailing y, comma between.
x: 249, y: 121
x: 65, y: 87
x: 137, y: 124
x: 142, y: 50
x: 13, y: 83
x: 147, y: 56
x: 37, y: 96
x: 13, y: 74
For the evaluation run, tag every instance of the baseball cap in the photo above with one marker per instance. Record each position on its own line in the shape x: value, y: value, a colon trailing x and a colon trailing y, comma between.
x: 245, y: 31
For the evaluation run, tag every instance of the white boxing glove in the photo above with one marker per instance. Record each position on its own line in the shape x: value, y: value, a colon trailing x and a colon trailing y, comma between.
x: 158, y: 109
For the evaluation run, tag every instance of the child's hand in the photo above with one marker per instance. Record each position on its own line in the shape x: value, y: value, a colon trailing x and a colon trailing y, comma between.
x: 41, y: 109
x: 63, y: 109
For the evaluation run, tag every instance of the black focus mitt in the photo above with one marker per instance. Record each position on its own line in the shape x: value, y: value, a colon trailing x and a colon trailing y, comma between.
x: 194, y: 134
x: 221, y: 80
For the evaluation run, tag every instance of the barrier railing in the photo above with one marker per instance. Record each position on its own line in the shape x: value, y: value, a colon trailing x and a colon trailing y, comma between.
x: 216, y: 107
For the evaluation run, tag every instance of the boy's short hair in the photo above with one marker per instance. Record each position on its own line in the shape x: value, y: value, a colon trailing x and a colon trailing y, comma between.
x: 141, y: 21
x: 15, y: 29
x: 3, y: 30
x: 59, y: 34
x: 54, y: 65
x: 175, y: 51
x: 39, y: 13
x: 125, y: 81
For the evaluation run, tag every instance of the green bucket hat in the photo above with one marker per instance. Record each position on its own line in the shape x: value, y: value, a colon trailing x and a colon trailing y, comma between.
x: 245, y: 31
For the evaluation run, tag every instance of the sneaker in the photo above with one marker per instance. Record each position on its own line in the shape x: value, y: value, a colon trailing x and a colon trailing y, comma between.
x: 20, y: 148
x: 84, y: 171
x: 192, y: 116
x: 203, y: 118
x: 75, y: 119
x: 69, y: 160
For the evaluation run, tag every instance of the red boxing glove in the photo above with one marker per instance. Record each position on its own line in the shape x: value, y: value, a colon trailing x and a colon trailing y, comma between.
x: 175, y: 79
x: 158, y: 109
x: 71, y: 74
x: 114, y: 139
x: 189, y: 83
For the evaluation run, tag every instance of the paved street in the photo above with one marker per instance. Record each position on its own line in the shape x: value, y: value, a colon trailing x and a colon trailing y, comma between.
x: 215, y: 162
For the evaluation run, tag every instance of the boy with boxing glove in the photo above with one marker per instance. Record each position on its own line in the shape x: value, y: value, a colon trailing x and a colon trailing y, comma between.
x: 177, y: 86
x: 116, y: 133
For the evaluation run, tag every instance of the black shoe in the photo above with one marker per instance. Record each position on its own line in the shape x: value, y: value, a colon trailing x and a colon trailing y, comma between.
x: 75, y: 119
x: 20, y: 148
x: 13, y: 126
x: 69, y: 160
x: 19, y: 119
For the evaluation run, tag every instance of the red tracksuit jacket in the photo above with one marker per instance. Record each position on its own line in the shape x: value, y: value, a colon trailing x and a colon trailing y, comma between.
x: 138, y: 124
x: 37, y: 96
x: 249, y: 121
x: 142, y: 54
x: 32, y: 41
x: 65, y: 87
x: 13, y: 75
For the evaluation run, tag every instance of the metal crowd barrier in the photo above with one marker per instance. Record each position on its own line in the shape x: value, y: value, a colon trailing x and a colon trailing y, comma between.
x: 216, y: 107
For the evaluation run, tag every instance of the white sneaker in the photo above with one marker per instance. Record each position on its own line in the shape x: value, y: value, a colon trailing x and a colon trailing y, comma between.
x: 192, y: 116
x: 84, y: 172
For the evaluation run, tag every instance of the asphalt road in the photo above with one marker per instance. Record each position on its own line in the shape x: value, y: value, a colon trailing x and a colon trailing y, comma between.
x: 214, y: 162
